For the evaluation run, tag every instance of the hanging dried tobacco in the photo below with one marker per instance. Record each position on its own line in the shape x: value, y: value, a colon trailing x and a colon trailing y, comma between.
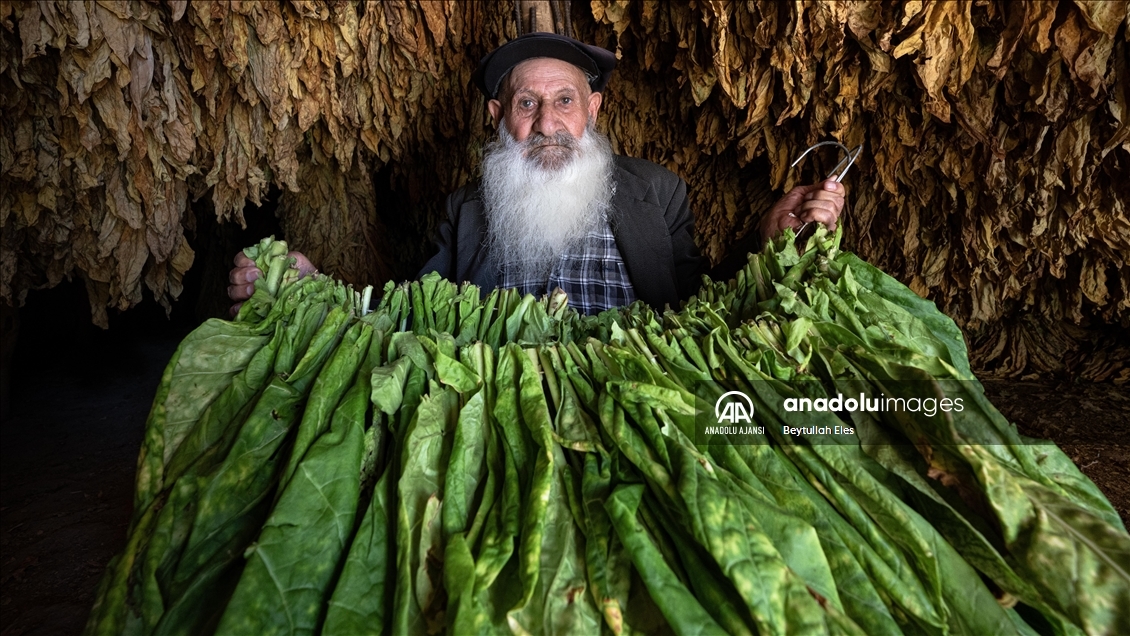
x: 123, y: 113
x: 995, y: 133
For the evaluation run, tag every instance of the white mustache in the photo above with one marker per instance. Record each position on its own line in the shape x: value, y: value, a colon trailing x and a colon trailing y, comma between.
x: 537, y: 209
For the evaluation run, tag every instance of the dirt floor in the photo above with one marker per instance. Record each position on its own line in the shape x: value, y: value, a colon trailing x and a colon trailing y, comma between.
x: 81, y: 395
x: 1090, y: 422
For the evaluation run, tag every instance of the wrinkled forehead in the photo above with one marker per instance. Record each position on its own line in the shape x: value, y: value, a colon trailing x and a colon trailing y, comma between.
x: 542, y: 72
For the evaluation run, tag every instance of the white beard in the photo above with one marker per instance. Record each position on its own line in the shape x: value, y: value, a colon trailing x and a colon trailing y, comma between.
x: 539, y: 207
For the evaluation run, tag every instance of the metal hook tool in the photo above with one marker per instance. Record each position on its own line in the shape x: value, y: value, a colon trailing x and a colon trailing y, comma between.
x: 837, y: 174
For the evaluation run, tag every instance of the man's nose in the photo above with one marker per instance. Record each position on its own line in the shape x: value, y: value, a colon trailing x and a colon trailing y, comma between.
x: 545, y: 122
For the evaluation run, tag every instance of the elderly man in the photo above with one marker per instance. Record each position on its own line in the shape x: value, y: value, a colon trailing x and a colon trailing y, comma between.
x: 556, y: 208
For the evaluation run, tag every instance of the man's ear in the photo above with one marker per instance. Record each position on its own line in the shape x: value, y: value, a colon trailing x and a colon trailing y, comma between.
x: 595, y: 100
x: 495, y: 108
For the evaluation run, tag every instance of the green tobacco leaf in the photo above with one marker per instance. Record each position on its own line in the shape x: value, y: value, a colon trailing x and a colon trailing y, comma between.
x: 209, y: 440
x: 971, y: 608
x: 284, y: 582
x: 362, y: 599
x: 796, y: 540
x: 559, y: 489
x: 235, y: 501
x: 1045, y: 531
x: 940, y: 325
x: 595, y: 488
x: 450, y: 371
x: 468, y: 465
x: 203, y: 367
x: 241, y: 482
x: 963, y: 529
x: 777, y: 598
x: 388, y: 385
x: 151, y: 460
x: 681, y: 609
x: 853, y: 564
x: 877, y: 552
x: 537, y: 512
x: 332, y: 383
x: 426, y: 451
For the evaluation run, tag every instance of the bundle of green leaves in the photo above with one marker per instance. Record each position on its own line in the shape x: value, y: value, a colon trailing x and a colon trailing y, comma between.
x: 454, y: 462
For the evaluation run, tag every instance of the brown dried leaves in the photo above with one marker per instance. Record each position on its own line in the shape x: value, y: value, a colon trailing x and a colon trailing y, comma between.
x: 98, y: 111
x: 996, y: 136
x: 126, y: 111
x: 995, y: 141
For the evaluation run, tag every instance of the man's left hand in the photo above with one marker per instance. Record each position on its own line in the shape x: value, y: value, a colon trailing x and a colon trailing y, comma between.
x: 820, y: 202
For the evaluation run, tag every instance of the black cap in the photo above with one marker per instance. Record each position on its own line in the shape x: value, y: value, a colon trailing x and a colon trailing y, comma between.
x: 593, y: 60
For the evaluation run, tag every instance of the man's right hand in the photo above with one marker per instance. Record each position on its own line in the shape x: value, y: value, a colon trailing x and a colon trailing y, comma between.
x: 241, y: 279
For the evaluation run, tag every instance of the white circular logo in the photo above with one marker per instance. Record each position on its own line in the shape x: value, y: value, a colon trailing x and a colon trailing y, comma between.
x: 733, y: 411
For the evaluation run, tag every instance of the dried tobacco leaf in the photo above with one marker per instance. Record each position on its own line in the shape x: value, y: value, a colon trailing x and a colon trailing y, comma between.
x: 996, y: 138
x: 995, y: 134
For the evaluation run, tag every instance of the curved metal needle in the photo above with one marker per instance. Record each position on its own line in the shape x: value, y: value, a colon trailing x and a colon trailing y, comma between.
x: 837, y: 174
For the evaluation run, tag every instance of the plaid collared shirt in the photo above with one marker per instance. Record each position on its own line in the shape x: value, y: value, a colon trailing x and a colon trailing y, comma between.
x: 592, y: 274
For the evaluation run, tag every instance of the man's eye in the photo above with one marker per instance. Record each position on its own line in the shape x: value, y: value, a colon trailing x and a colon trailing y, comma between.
x: 526, y: 103
x: 566, y: 100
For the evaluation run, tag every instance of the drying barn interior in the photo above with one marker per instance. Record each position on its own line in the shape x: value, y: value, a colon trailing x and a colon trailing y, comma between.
x: 144, y: 143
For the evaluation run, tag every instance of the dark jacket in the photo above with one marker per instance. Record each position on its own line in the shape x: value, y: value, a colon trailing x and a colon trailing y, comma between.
x: 652, y: 223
